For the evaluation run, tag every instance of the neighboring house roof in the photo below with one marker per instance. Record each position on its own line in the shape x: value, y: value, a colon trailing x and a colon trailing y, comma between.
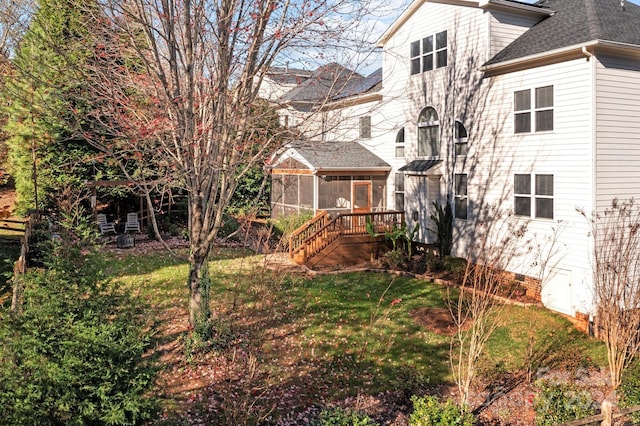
x: 371, y: 83
x: 325, y: 82
x: 287, y: 75
x: 336, y: 156
x: 576, y: 22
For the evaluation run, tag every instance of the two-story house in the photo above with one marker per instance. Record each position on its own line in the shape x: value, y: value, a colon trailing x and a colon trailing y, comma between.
x: 531, y: 108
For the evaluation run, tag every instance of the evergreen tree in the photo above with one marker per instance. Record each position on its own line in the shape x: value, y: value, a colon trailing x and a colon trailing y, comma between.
x: 42, y: 99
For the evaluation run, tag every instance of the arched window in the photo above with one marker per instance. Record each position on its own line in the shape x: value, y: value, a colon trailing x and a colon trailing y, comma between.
x: 428, y: 133
x: 400, y: 143
x: 461, y: 139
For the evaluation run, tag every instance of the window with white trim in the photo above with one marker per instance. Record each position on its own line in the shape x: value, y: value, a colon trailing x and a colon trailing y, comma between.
x: 400, y: 144
x: 429, y: 53
x: 399, y: 191
x: 428, y: 133
x: 460, y: 138
x: 365, y: 127
x: 544, y: 108
x: 460, y: 198
x: 533, y: 200
x: 524, y: 107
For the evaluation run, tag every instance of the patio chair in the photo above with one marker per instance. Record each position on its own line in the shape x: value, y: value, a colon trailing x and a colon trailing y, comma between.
x: 104, y: 226
x: 132, y: 223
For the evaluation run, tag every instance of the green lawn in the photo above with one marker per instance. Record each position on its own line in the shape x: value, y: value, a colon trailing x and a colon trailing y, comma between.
x: 334, y: 336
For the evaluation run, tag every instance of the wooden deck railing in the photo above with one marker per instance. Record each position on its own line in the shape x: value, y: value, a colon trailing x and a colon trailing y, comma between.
x: 322, y: 231
x: 297, y: 237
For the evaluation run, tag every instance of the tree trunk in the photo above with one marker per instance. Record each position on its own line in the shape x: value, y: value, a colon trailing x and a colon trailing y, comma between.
x: 199, y: 286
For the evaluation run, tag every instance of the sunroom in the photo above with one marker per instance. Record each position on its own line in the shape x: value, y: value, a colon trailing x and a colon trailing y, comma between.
x: 336, y: 177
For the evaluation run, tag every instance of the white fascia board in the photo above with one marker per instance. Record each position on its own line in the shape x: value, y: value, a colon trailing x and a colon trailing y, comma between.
x: 576, y: 49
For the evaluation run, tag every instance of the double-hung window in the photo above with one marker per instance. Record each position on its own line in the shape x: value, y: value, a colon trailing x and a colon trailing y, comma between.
x: 429, y: 53
x: 400, y: 143
x: 533, y: 200
x: 460, y: 138
x: 399, y: 191
x: 461, y: 204
x: 542, y: 108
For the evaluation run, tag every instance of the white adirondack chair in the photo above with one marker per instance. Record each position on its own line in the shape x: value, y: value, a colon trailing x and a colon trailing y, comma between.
x: 104, y: 226
x: 132, y: 224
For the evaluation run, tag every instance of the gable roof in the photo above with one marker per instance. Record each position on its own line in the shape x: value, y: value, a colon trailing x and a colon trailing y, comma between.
x: 336, y: 156
x: 324, y: 83
x: 576, y: 23
x: 513, y: 6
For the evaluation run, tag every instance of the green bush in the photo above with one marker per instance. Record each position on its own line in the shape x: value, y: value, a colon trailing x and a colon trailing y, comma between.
x: 287, y: 224
x: 395, y: 259
x: 76, y: 353
x: 561, y: 402
x: 630, y: 388
x: 457, y: 266
x: 229, y: 226
x: 428, y: 411
x: 341, y: 417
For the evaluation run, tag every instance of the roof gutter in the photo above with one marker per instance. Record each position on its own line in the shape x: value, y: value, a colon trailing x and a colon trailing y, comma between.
x: 351, y: 170
x: 512, y: 6
x: 585, y: 49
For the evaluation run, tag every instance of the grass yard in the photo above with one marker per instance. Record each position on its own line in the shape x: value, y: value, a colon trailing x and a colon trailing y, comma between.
x: 291, y: 343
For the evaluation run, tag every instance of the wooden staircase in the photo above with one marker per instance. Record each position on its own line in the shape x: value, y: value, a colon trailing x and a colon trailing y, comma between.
x: 349, y: 236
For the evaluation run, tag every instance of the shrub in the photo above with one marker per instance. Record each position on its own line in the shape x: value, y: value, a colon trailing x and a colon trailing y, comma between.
x: 229, y: 226
x: 561, y: 402
x: 457, y: 266
x: 287, y: 224
x: 630, y: 388
x: 433, y: 263
x: 340, y: 417
x: 395, y: 259
x: 428, y: 411
x: 75, y: 355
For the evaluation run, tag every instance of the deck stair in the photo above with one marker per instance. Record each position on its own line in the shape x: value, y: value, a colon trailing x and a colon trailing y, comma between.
x: 323, y: 233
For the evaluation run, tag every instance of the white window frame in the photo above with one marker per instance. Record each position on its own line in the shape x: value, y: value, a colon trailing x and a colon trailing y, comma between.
x: 426, y: 55
x: 399, y: 151
x: 535, y: 194
x: 399, y: 190
x: 460, y: 196
x: 460, y: 139
x: 422, y: 150
x: 534, y: 108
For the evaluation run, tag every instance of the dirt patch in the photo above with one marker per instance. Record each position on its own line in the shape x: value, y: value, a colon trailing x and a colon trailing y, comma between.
x: 436, y: 320
x: 7, y: 202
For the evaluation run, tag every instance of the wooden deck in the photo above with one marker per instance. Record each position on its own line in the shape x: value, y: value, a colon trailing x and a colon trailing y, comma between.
x: 344, y: 240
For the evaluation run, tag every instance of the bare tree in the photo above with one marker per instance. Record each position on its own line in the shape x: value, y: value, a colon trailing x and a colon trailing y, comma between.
x: 475, y: 307
x: 14, y: 18
x: 616, y: 282
x: 176, y: 85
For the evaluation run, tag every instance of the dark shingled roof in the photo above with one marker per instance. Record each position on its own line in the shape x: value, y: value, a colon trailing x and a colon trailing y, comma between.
x: 576, y: 22
x: 419, y: 166
x: 372, y: 82
x: 325, y: 82
x: 339, y: 155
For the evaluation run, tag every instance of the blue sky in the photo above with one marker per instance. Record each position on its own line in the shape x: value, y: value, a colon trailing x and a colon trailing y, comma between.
x: 374, y: 24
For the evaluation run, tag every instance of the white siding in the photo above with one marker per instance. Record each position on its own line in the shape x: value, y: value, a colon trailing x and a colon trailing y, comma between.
x: 565, y: 153
x: 617, y: 129
x: 505, y: 28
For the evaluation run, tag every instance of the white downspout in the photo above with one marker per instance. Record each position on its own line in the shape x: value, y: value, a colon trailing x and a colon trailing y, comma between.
x: 586, y: 53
